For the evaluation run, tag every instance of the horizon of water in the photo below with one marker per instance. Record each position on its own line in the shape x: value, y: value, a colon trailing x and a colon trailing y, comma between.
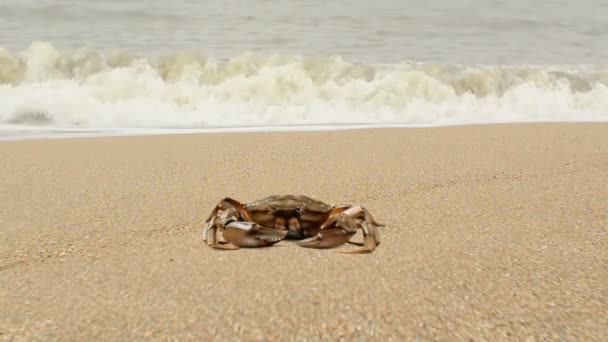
x: 111, y: 67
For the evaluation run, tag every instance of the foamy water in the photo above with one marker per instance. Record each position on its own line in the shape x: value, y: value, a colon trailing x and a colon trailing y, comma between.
x: 184, y: 66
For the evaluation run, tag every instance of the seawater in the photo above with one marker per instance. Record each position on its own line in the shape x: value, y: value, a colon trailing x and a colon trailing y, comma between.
x: 152, y: 66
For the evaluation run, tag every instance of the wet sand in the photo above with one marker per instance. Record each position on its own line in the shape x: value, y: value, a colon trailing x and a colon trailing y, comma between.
x: 493, y: 233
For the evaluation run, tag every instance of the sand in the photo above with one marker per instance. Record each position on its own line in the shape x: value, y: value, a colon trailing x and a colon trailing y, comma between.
x: 493, y: 233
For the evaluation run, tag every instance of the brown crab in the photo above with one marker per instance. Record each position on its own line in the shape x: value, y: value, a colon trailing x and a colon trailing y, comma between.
x: 272, y: 219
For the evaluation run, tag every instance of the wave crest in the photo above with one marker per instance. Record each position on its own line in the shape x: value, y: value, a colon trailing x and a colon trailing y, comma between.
x: 186, y: 89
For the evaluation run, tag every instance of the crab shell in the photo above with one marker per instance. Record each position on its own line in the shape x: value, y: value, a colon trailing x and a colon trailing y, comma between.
x: 302, y: 216
x: 269, y: 220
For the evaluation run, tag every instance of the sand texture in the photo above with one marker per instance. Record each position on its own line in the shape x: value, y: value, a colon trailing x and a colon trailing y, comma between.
x: 493, y: 233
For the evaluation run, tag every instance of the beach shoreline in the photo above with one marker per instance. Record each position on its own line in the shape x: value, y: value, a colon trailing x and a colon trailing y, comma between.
x: 494, y: 231
x: 22, y: 133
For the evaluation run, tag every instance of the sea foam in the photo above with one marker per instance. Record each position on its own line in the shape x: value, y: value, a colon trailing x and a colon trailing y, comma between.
x: 46, y: 87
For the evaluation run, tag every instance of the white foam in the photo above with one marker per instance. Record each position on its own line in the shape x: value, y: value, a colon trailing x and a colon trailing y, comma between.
x: 45, y: 87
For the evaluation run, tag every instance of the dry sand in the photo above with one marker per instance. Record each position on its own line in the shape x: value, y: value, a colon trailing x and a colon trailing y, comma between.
x: 494, y: 233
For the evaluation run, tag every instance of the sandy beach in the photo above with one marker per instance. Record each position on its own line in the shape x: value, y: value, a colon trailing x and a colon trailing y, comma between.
x: 493, y: 233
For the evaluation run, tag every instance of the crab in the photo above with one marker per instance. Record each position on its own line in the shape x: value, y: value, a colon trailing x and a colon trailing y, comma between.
x: 267, y: 221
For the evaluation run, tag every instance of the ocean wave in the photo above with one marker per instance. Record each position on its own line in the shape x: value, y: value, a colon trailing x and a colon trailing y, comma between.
x: 43, y: 85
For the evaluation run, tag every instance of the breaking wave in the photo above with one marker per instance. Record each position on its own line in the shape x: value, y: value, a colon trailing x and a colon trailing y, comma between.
x: 43, y: 86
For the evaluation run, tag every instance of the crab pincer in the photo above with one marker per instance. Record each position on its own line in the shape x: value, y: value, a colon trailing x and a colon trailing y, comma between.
x: 338, y: 229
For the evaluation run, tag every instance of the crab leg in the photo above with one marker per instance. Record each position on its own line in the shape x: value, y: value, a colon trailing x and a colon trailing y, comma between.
x: 370, y: 240
x: 210, y: 235
x: 371, y: 234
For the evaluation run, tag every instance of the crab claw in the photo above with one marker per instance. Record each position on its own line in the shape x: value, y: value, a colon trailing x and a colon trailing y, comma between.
x: 343, y: 225
x: 369, y: 245
x: 327, y: 238
x: 247, y: 234
x: 270, y: 235
x: 224, y: 246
